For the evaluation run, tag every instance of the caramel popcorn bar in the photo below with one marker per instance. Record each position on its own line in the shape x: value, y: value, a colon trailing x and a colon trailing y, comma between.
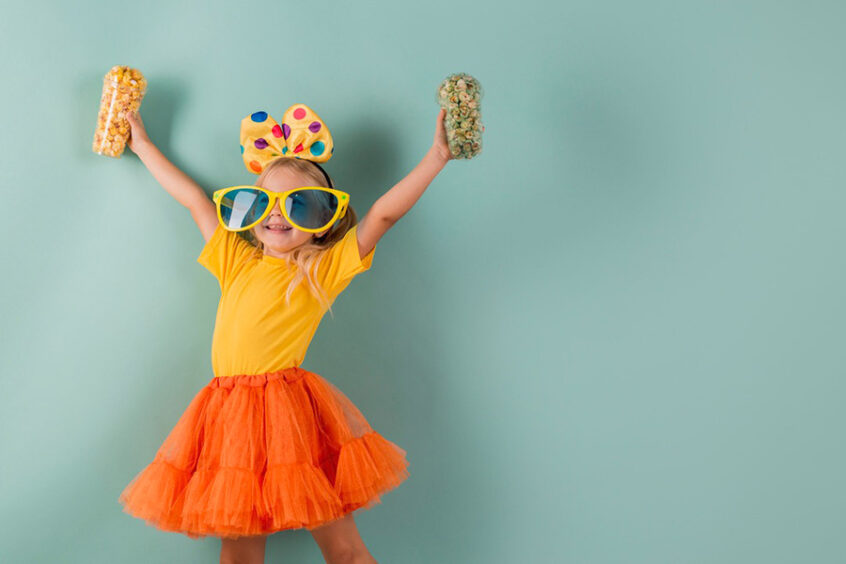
x: 123, y: 90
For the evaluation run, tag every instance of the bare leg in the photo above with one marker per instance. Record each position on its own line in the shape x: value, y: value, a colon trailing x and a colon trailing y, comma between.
x: 340, y: 543
x: 243, y: 550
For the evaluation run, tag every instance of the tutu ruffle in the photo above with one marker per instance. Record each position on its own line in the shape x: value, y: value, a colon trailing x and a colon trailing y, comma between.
x: 259, y: 453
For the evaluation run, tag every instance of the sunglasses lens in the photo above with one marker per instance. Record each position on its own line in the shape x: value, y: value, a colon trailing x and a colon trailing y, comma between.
x: 242, y: 207
x: 310, y: 208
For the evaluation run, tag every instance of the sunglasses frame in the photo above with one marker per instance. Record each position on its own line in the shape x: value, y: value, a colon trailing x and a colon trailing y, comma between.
x: 343, y: 203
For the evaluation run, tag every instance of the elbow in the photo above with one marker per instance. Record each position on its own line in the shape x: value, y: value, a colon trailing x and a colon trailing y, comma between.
x: 386, y: 215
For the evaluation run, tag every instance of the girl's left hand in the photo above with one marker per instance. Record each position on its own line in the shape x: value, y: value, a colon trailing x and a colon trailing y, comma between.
x: 440, y: 145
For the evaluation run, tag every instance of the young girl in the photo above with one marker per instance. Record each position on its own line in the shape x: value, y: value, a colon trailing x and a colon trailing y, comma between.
x: 267, y: 445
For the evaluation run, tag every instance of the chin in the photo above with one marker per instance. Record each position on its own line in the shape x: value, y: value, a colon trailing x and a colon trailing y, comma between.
x: 276, y: 249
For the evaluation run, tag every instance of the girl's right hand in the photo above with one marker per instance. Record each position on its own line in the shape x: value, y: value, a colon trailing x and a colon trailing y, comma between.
x: 138, y: 135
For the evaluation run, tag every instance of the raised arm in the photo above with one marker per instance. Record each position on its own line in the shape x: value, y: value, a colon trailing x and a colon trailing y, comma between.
x: 394, y: 203
x: 177, y: 183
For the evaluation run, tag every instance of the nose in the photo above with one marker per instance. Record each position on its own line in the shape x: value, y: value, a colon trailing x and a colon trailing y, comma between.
x: 276, y: 214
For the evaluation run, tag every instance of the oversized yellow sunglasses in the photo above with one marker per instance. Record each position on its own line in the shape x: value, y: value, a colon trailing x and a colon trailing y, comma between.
x: 308, y: 208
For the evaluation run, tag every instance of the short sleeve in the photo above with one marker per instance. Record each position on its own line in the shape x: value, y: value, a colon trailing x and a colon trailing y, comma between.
x: 341, y: 262
x: 225, y: 253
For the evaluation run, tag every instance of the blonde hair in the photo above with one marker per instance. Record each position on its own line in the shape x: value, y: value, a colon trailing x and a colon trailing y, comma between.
x: 306, y: 258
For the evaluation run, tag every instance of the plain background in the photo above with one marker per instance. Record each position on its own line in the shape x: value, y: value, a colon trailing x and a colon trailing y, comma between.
x: 616, y: 336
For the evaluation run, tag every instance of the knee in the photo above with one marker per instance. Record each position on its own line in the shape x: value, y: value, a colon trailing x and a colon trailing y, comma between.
x: 234, y: 559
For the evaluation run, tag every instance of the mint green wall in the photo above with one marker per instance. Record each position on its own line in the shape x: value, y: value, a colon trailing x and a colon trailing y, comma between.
x: 614, y: 337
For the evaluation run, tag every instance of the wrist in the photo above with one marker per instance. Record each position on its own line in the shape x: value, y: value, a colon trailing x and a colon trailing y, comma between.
x: 143, y: 147
x: 437, y: 155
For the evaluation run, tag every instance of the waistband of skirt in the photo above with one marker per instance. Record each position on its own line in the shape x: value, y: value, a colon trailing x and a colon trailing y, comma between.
x: 290, y: 374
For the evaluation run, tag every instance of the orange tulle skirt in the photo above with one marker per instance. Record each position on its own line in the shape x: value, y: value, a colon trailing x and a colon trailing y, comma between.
x: 258, y: 453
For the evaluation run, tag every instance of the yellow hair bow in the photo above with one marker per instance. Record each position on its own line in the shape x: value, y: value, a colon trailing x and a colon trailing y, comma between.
x: 302, y: 135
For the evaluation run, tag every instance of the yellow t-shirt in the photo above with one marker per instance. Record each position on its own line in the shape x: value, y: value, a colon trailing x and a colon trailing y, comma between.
x: 255, y: 330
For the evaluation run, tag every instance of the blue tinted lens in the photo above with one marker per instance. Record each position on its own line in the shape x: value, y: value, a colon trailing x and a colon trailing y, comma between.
x: 242, y: 207
x: 310, y: 208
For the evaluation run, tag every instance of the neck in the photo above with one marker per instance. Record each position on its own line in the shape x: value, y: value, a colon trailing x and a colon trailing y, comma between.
x: 286, y: 255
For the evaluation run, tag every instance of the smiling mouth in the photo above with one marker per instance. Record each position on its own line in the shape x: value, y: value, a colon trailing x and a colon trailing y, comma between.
x: 277, y: 228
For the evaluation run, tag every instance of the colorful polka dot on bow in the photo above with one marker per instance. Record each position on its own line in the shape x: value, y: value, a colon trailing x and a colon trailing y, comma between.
x: 302, y: 135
